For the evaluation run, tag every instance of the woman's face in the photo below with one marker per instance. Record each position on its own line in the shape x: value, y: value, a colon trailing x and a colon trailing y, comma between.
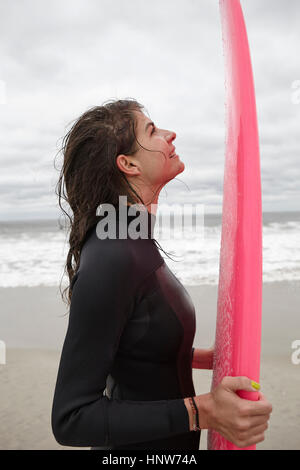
x: 157, y: 167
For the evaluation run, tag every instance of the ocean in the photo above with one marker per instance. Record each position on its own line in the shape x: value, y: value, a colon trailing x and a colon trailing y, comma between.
x: 33, y: 253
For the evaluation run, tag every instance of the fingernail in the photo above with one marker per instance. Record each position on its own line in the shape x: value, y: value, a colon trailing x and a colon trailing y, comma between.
x: 255, y: 385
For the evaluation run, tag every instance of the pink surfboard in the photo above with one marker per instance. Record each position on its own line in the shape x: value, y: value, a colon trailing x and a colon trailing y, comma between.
x: 238, y: 328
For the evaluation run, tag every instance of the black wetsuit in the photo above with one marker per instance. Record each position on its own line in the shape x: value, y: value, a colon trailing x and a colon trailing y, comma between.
x: 126, y: 362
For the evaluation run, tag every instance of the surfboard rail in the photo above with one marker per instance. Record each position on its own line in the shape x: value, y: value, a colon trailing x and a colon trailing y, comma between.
x: 239, y: 306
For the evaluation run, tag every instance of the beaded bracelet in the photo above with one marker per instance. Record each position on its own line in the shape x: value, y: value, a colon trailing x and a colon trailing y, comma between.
x: 195, y: 414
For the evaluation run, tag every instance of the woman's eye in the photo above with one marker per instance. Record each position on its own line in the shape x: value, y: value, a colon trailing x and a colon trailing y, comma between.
x: 153, y: 130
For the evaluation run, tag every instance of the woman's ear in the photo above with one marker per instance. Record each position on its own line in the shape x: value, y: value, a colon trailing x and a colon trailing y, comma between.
x: 125, y: 164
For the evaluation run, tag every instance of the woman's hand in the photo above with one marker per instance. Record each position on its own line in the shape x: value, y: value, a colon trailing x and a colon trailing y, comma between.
x: 242, y: 422
x: 203, y: 358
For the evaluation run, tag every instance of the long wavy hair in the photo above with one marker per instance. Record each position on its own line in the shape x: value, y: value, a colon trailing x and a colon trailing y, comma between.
x: 89, y: 175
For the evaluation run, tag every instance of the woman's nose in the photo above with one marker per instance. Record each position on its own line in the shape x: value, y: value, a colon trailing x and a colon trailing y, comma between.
x: 171, y: 136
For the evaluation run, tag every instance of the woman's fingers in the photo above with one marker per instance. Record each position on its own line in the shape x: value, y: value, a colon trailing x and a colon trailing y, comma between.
x: 259, y: 408
x: 251, y: 436
x: 256, y: 421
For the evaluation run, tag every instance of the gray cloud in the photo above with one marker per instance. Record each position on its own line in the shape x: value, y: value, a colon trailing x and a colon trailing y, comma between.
x: 60, y: 58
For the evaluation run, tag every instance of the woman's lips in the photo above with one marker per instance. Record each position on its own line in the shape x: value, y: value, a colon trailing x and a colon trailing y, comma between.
x: 174, y: 155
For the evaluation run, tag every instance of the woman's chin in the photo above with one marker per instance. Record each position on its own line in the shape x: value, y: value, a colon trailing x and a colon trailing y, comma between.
x: 176, y: 170
x: 181, y: 167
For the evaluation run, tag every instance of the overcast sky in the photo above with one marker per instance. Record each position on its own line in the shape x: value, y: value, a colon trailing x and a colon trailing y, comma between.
x: 61, y: 57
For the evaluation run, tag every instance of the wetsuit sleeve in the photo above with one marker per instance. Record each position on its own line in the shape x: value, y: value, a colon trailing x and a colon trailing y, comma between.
x: 102, y: 299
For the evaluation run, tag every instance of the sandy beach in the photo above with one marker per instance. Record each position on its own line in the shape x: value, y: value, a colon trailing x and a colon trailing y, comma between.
x: 33, y: 324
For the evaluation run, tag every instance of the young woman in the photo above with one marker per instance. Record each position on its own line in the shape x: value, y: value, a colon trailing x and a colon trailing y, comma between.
x: 125, y: 372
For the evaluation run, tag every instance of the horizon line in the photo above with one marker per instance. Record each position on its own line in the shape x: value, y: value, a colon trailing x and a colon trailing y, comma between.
x: 52, y: 219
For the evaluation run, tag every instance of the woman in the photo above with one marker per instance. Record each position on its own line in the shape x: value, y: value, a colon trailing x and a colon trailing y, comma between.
x: 125, y: 373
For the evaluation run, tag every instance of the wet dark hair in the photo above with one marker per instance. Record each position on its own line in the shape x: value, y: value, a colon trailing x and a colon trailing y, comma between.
x: 89, y: 175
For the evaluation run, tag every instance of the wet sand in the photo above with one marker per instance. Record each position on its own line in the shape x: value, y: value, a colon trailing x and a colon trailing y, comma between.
x: 33, y: 328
